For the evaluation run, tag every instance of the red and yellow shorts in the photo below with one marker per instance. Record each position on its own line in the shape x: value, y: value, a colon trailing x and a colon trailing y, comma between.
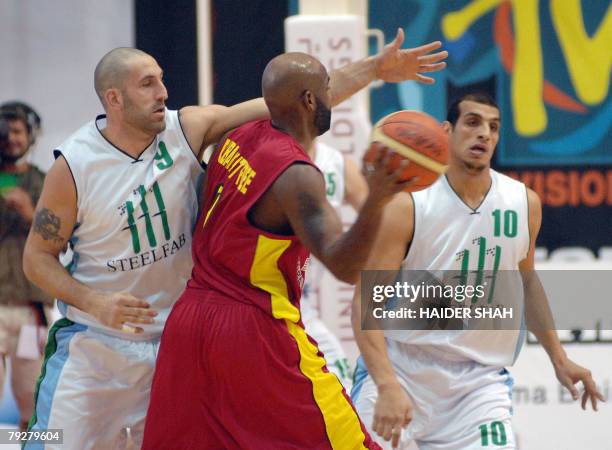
x: 230, y: 376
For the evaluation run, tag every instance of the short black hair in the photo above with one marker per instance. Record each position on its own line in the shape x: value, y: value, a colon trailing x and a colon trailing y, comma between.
x: 479, y: 97
x: 33, y: 117
x: 15, y: 113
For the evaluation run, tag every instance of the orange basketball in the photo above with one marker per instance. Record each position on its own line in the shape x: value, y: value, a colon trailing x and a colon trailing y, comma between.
x: 415, y: 136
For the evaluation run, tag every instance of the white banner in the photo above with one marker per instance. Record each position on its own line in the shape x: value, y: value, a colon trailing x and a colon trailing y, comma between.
x: 545, y: 417
x: 49, y: 51
x: 336, y: 40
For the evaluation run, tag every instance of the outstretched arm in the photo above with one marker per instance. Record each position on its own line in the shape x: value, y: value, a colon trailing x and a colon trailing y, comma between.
x: 540, y: 321
x: 393, y: 64
x: 204, y: 125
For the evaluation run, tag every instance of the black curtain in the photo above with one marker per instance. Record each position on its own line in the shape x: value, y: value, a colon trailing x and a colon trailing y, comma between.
x: 167, y: 31
x: 246, y: 35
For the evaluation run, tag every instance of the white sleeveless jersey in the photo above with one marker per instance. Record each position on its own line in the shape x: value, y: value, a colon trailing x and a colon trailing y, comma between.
x: 450, y: 236
x: 331, y: 163
x: 134, y: 220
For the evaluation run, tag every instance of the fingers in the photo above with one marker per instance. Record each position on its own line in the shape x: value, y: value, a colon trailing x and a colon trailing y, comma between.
x: 423, y: 49
x: 382, y: 426
x: 432, y: 67
x: 131, y: 301
x: 139, y: 315
x: 407, y: 419
x: 399, y: 39
x: 396, y: 434
x: 376, y: 423
x: 423, y: 79
x: 433, y: 58
x: 381, y: 157
x: 130, y: 329
x: 128, y: 308
x: 569, y: 385
x: 590, y: 391
x: 387, y: 431
x: 585, y: 397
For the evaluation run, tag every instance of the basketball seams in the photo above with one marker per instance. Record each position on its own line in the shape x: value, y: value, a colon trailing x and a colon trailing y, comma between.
x: 408, y: 152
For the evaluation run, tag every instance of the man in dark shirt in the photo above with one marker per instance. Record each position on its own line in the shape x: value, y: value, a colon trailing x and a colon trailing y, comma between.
x: 21, y: 303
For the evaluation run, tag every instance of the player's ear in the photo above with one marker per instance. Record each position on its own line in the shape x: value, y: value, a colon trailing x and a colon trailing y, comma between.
x: 113, y: 98
x: 309, y: 100
x: 447, y: 127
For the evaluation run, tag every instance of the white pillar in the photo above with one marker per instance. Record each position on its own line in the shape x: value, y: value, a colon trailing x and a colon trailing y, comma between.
x: 204, y: 52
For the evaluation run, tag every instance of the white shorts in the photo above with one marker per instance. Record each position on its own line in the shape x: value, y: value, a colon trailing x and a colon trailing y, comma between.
x: 457, y: 405
x: 95, y: 387
x: 329, y: 345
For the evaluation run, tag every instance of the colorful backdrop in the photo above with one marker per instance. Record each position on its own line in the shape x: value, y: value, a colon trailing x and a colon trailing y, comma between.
x: 548, y: 65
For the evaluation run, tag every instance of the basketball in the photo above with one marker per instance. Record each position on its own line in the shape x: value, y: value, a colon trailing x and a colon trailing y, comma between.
x: 415, y: 136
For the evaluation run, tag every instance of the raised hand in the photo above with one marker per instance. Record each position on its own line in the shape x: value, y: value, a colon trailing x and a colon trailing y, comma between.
x: 394, y: 64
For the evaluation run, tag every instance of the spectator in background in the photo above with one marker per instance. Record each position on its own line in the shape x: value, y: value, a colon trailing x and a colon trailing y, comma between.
x: 21, y: 303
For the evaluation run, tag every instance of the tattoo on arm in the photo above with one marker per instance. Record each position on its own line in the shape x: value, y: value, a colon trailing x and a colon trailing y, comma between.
x: 47, y: 225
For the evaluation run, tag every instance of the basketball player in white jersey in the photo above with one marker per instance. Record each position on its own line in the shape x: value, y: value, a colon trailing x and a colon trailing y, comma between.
x: 451, y: 387
x: 123, y: 193
x: 343, y: 182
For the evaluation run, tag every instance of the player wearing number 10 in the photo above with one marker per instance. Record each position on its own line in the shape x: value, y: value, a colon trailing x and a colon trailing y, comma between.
x: 451, y: 386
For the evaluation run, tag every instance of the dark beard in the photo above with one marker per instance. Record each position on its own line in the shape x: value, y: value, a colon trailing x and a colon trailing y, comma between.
x: 9, y: 159
x: 322, y: 118
x: 474, y: 167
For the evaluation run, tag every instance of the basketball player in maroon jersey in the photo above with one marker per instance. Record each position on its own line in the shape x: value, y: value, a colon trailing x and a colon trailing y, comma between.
x: 236, y: 368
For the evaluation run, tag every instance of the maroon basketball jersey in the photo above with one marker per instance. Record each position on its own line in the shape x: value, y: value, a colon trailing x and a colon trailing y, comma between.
x: 232, y: 256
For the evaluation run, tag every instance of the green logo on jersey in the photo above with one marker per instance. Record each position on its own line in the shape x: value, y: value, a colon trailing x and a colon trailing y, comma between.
x: 483, y: 253
x: 132, y: 226
x: 509, y: 230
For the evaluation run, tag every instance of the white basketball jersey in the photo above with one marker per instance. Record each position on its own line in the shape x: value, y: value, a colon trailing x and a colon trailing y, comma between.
x: 134, y: 220
x: 451, y: 236
x: 331, y: 163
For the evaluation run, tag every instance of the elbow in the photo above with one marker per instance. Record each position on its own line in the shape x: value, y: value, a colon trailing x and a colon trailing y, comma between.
x: 347, y: 276
x: 28, y: 263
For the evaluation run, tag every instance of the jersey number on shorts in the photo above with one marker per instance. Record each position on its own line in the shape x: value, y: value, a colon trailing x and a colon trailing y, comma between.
x: 496, y: 431
x: 132, y: 226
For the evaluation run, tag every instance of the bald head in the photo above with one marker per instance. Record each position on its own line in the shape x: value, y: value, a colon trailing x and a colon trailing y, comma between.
x: 287, y: 76
x: 113, y: 67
